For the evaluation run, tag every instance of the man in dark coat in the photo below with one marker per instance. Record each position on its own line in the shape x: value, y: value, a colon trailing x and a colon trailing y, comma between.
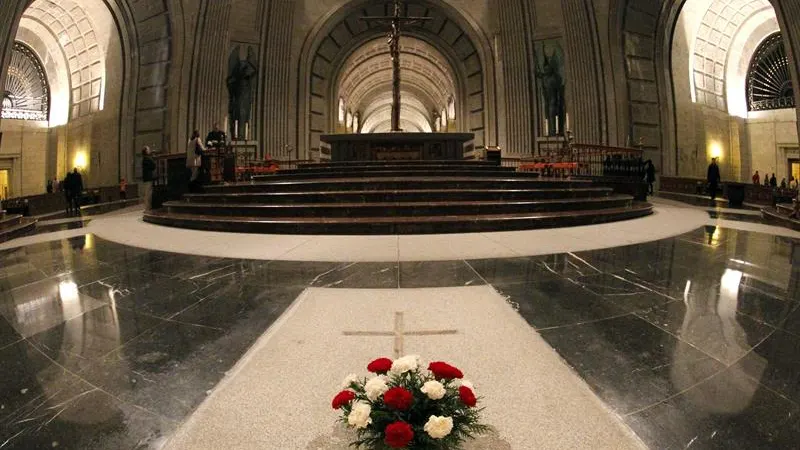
x: 714, y: 178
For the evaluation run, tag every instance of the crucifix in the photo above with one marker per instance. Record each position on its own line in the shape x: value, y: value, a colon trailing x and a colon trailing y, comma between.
x: 395, y: 21
x: 399, y: 333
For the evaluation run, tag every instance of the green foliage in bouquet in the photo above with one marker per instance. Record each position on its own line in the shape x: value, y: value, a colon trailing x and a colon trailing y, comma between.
x: 405, y: 406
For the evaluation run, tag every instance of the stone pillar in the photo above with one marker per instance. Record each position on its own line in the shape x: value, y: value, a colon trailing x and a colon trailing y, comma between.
x: 518, y: 72
x: 277, y: 93
x: 209, y: 97
x: 10, y: 14
x: 586, y: 96
x: 788, y: 13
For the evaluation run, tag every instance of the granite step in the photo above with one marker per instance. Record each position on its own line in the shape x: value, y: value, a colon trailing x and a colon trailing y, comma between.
x: 394, y: 183
x: 335, y: 173
x: 780, y: 216
x: 9, y: 220
x: 397, y: 209
x: 23, y: 227
x: 388, y: 167
x: 465, y: 163
x: 398, y: 225
x: 408, y: 195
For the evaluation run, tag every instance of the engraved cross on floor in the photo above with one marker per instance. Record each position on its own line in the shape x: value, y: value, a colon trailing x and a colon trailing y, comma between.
x: 399, y: 333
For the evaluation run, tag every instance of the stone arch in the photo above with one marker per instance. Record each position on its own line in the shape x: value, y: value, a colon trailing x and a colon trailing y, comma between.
x: 145, y: 32
x: 341, y: 33
x: 646, y: 29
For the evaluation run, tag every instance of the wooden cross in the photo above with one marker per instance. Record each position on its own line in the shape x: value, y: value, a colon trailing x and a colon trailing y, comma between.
x: 399, y: 333
x: 395, y: 21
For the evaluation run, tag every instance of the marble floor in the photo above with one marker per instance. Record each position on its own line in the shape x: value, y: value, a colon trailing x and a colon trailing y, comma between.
x: 690, y: 339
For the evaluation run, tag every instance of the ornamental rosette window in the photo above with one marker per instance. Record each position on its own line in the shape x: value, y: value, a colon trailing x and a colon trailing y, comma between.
x: 769, y: 82
x: 27, y: 95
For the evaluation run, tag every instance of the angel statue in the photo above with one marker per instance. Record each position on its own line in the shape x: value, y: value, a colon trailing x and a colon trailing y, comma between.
x: 552, y: 85
x: 241, y: 88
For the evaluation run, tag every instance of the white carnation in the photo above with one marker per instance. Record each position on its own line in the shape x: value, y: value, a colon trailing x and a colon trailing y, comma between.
x: 376, y: 387
x: 405, y: 364
x: 465, y: 383
x: 433, y: 389
x: 350, y: 379
x: 439, y: 427
x: 360, y: 415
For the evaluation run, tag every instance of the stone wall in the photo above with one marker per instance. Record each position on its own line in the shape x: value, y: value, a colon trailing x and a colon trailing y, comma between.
x: 772, y: 136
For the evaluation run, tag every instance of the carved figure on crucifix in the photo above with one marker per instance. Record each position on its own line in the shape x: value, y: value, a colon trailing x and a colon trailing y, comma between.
x: 395, y: 21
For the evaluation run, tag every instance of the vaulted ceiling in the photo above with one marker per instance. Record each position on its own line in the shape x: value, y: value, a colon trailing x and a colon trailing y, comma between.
x: 427, y: 83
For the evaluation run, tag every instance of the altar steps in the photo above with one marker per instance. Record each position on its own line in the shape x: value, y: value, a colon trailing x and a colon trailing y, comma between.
x: 399, y: 225
x: 14, y: 225
x: 453, y: 164
x: 407, y: 195
x: 397, y: 209
x: 316, y: 174
x: 391, y: 197
x: 781, y: 215
x: 510, y: 181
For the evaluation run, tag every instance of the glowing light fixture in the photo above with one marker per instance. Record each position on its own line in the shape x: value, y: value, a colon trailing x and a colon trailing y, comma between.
x: 81, y: 160
x: 715, y: 150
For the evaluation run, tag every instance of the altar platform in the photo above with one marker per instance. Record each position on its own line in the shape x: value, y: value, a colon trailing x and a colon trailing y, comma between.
x: 399, y: 146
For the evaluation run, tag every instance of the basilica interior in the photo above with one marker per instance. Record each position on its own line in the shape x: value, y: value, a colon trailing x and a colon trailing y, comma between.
x: 590, y: 205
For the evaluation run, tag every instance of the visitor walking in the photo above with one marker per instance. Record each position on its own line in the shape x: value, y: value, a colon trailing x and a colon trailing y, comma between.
x: 713, y: 178
x: 194, y: 159
x: 148, y: 176
x: 757, y: 179
x: 73, y: 188
x: 650, y: 175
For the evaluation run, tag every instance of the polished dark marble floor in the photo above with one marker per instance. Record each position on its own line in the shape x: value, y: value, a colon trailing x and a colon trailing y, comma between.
x: 693, y: 340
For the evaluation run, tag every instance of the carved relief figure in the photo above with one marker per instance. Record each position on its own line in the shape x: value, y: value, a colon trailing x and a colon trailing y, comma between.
x: 549, y: 72
x: 241, y: 87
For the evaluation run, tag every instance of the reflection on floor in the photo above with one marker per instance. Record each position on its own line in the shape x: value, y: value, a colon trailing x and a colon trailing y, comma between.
x: 693, y: 340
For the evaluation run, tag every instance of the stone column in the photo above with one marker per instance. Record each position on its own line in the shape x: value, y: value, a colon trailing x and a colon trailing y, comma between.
x: 518, y: 72
x: 209, y: 97
x: 788, y: 13
x: 277, y: 84
x: 586, y: 96
x: 10, y: 14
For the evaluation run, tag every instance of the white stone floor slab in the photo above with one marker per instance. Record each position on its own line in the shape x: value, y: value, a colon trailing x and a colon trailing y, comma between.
x: 668, y: 220
x: 278, y: 396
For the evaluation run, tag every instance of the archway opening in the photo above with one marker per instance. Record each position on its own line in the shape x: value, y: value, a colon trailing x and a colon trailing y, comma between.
x: 730, y: 83
x: 68, y: 65
x: 428, y: 86
x: 448, y: 36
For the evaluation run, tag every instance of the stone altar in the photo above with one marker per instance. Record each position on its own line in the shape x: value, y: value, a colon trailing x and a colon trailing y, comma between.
x: 399, y: 146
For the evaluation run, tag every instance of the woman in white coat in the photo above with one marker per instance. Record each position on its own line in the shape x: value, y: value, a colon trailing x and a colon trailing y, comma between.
x: 194, y: 157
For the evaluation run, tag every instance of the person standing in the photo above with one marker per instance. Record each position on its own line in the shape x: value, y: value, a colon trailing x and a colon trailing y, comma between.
x: 123, y: 189
x: 773, y: 181
x: 194, y: 159
x: 73, y: 188
x: 757, y: 179
x: 148, y: 176
x: 714, y: 178
x: 66, y: 185
x: 49, y: 186
x: 650, y: 175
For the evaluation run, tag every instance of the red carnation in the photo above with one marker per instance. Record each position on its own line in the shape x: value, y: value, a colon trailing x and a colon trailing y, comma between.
x: 398, y: 434
x: 398, y: 398
x: 381, y: 366
x: 444, y: 371
x: 343, y: 398
x: 467, y: 396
